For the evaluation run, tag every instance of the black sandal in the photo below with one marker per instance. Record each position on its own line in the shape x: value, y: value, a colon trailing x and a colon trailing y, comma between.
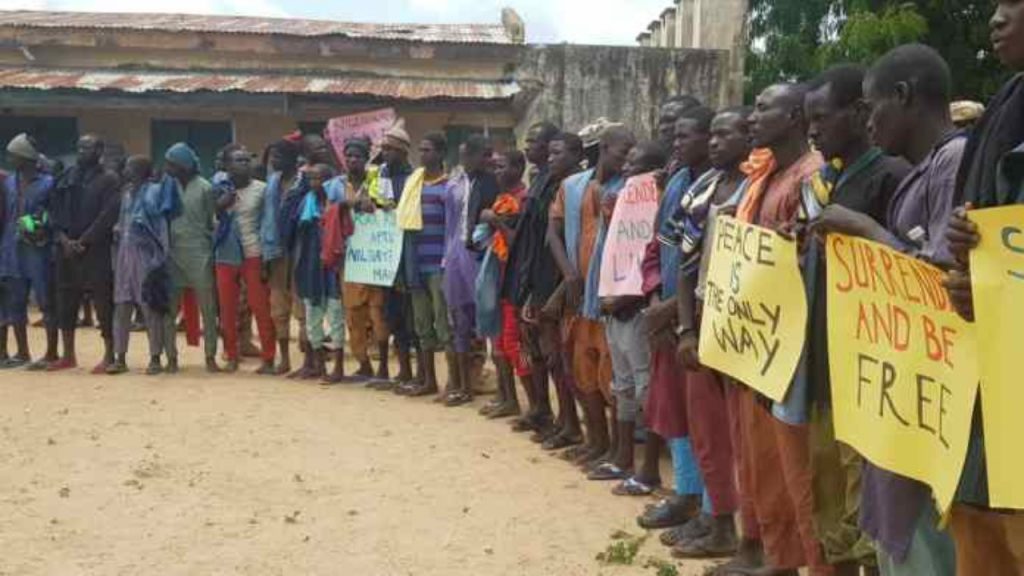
x: 418, y: 390
x: 702, y: 549
x: 607, y: 471
x: 635, y: 487
x: 457, y: 399
x: 696, y: 528
x: 573, y: 453
x: 665, y: 514
x: 528, y: 423
x: 546, y: 433
x: 559, y: 441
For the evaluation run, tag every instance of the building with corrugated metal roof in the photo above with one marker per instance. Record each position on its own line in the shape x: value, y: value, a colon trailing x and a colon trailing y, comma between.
x: 143, y: 81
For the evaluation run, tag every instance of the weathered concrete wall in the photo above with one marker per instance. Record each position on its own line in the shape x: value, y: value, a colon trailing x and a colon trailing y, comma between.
x: 723, y: 25
x: 709, y: 25
x: 574, y: 85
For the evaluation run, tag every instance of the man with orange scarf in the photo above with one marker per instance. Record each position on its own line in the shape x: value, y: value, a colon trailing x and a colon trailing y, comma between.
x: 777, y: 170
x: 501, y: 219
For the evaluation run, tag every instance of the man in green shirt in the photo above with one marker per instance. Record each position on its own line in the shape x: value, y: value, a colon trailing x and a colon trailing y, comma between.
x: 191, y: 263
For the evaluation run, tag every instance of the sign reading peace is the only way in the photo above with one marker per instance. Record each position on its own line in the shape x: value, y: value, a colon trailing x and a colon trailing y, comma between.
x: 755, y: 308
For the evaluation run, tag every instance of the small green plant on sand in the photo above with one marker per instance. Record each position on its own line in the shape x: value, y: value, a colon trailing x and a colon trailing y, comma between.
x: 623, y: 550
x: 661, y: 567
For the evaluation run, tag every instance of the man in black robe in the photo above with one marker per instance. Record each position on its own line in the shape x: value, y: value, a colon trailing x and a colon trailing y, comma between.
x: 84, y: 212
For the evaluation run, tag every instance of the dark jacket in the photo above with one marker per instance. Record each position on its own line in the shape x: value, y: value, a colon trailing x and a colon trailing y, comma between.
x: 85, y: 207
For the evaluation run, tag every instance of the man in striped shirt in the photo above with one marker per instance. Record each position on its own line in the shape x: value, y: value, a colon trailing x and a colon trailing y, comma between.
x: 430, y: 311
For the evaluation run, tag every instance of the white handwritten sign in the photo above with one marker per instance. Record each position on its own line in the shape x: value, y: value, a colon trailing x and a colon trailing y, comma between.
x: 374, y: 251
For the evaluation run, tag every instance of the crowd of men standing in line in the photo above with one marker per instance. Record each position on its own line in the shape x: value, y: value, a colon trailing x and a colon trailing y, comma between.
x: 872, y: 153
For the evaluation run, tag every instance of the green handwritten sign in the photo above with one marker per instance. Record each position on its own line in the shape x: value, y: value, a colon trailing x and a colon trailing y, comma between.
x: 374, y: 251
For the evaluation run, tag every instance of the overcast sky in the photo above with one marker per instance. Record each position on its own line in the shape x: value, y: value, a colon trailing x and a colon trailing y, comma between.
x: 578, y: 21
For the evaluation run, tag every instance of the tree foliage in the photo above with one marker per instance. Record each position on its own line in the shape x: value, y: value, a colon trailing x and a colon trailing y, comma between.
x: 795, y: 39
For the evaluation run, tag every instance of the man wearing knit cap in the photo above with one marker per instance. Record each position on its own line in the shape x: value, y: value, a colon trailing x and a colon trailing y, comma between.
x: 398, y: 304
x: 191, y: 263
x: 24, y: 250
x: 966, y: 112
x: 591, y: 136
x: 397, y: 137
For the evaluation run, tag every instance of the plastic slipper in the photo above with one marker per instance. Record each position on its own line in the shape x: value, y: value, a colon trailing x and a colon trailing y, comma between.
x: 696, y: 528
x: 13, y: 362
x: 541, y: 436
x: 633, y: 487
x: 491, y: 406
x: 702, y: 549
x: 573, y: 453
x: 402, y: 389
x: 672, y: 536
x: 607, y: 472
x: 418, y: 391
x: 665, y: 514
x: 505, y: 411
x: 457, y: 399
x: 116, y: 368
x: 589, y: 465
x: 61, y: 364
x: 525, y: 424
x: 561, y: 441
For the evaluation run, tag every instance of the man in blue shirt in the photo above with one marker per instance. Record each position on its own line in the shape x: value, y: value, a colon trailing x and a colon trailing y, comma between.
x: 25, y: 251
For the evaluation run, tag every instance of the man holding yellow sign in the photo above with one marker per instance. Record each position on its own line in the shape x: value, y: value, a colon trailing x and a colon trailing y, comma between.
x: 987, y: 246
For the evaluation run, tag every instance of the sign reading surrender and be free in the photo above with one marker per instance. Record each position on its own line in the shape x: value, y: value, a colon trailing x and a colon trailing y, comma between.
x: 755, y: 309
x: 904, y: 375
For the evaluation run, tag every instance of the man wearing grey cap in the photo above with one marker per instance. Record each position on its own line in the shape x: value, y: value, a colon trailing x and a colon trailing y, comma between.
x: 25, y: 251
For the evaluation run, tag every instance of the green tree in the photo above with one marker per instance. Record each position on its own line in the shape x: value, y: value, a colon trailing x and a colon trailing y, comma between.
x: 866, y: 34
x: 795, y: 39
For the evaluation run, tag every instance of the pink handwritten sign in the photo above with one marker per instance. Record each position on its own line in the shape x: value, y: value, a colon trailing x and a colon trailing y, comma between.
x: 371, y: 124
x: 630, y: 230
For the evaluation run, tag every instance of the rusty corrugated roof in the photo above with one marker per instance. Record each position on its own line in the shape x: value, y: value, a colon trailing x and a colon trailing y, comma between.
x: 450, y: 33
x: 138, y: 82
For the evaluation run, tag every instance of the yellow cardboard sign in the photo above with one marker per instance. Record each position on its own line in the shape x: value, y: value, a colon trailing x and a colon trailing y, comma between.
x: 997, y: 278
x: 902, y: 362
x: 755, y: 307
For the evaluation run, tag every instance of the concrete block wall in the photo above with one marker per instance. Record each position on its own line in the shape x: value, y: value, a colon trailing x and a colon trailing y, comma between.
x: 574, y: 85
x: 706, y: 25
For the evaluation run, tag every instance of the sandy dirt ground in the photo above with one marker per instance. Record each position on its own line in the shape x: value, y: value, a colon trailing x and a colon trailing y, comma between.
x: 240, y: 474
